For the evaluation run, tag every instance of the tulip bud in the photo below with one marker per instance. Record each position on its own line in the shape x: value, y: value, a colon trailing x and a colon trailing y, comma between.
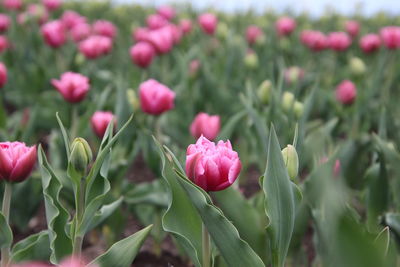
x: 287, y: 101
x: 251, y: 60
x: 133, y: 99
x: 357, y: 66
x: 298, y: 109
x: 264, y: 91
x: 222, y: 30
x: 291, y: 159
x: 81, y: 156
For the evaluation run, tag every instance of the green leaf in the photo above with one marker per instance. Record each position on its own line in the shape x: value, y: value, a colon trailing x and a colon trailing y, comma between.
x: 34, y: 247
x: 153, y: 193
x: 230, y: 125
x: 279, y: 202
x: 56, y: 215
x: 122, y: 253
x: 65, y: 136
x: 104, y: 212
x: 383, y: 239
x: 6, y: 236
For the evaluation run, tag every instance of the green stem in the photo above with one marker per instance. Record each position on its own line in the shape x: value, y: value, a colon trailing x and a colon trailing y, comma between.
x: 206, y: 247
x: 158, y: 232
x: 5, y: 252
x: 74, y: 122
x: 80, y: 207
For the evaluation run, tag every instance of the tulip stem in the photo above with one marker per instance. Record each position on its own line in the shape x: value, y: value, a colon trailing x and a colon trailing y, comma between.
x: 74, y: 122
x: 5, y: 252
x: 80, y: 206
x: 206, y: 246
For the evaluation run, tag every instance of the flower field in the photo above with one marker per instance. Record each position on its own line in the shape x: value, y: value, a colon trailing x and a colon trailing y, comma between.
x: 169, y: 136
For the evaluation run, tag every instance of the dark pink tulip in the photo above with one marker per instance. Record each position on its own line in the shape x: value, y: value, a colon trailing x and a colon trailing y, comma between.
x: 155, y: 98
x: 346, y: 92
x: 162, y: 40
x: 370, y: 43
x: 54, y: 33
x: 391, y: 36
x: 81, y: 31
x: 175, y: 32
x: 3, y: 75
x: 167, y: 12
x: 293, y: 74
x: 95, y: 46
x: 4, y: 44
x: 156, y: 21
x: 142, y: 54
x: 72, y: 86
x: 16, y: 161
x: 140, y: 34
x: 100, y: 121
x: 52, y: 4
x: 285, y: 26
x: 314, y: 40
x: 12, y: 4
x: 339, y: 41
x: 352, y: 28
x: 105, y: 28
x: 71, y: 18
x: 208, y: 23
x: 210, y: 166
x: 186, y: 26
x: 4, y: 23
x: 253, y: 32
x: 206, y: 125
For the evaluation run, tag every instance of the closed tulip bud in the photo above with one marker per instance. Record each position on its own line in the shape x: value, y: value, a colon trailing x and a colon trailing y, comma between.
x: 357, y: 66
x: 346, y: 92
x: 287, y: 101
x: 72, y: 86
x: 352, y: 28
x: 391, y: 36
x: 339, y: 41
x: 167, y: 12
x: 298, y: 109
x: 52, y: 4
x: 81, y: 156
x: 291, y: 159
x: 142, y: 54
x: 285, y: 26
x: 186, y: 26
x: 251, y: 60
x: 79, y: 59
x: 264, y: 91
x: 208, y: 23
x: 206, y: 125
x: 95, y: 46
x: 370, y: 43
x: 133, y: 99
x: 222, y: 30
x: 54, y: 33
x: 104, y: 28
x: 155, y: 98
x: 3, y: 75
x: 4, y: 23
x: 100, y: 121
x: 12, y: 4
x: 293, y: 74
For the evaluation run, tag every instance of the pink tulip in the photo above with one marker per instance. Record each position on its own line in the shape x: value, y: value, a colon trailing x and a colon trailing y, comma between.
x: 81, y: 31
x: 72, y: 86
x: 95, y: 46
x: 71, y: 18
x: 12, y: 4
x: 155, y: 98
x: 212, y: 166
x: 142, y: 54
x: 162, y: 40
x: 293, y: 74
x: 391, y: 36
x: 175, y: 32
x: 140, y: 34
x: 336, y: 167
x: 314, y: 40
x: 370, y: 43
x: 285, y: 26
x: 186, y: 26
x: 16, y: 161
x: 346, y: 92
x: 75, y: 262
x: 4, y: 23
x: 3, y: 75
x: 253, y: 32
x: 156, y: 21
x: 4, y: 44
x: 54, y: 33
x: 352, y: 28
x: 52, y: 4
x: 104, y: 28
x: 206, y: 125
x: 208, y: 23
x: 33, y: 12
x: 339, y: 41
x: 167, y: 12
x: 100, y: 121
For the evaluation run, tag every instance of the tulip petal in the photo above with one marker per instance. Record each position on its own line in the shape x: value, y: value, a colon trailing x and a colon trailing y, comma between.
x: 24, y: 165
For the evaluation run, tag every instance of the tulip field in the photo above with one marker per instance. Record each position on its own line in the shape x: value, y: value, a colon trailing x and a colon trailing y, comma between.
x: 170, y: 136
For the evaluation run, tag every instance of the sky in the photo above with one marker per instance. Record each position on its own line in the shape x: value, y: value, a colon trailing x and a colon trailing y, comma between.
x: 314, y: 7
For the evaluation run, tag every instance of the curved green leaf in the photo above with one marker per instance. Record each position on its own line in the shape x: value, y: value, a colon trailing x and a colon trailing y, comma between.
x: 6, y: 236
x: 34, y: 247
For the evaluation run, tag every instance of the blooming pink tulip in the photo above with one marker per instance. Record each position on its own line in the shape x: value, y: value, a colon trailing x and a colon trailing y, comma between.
x: 54, y: 33
x: 206, y: 125
x: 4, y: 44
x: 52, y: 4
x: 104, y: 28
x: 72, y: 86
x: 142, y: 54
x: 155, y: 98
x: 80, y: 31
x: 162, y: 39
x: 186, y: 26
x: 352, y: 28
x: 156, y: 21
x: 346, y: 92
x: 95, y: 46
x: 71, y: 18
x: 3, y: 75
x: 253, y: 32
x: 100, y: 121
x: 212, y: 166
x: 391, y: 36
x: 339, y: 41
x: 285, y: 26
x: 16, y: 161
x: 12, y: 4
x: 208, y: 23
x: 4, y: 23
x: 167, y: 12
x: 314, y: 40
x: 370, y: 43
